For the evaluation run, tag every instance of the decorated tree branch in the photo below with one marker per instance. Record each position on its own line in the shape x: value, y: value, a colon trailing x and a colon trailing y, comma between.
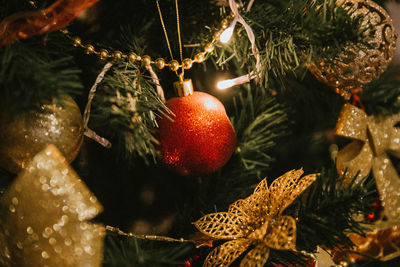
x: 191, y: 105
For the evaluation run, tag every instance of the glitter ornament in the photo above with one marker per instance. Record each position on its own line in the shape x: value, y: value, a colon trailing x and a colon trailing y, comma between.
x: 58, y: 122
x: 200, y: 139
x: 358, y: 65
x: 45, y: 217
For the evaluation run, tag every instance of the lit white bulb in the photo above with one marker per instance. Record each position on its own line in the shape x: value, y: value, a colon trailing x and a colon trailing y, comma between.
x: 226, y: 34
x: 222, y: 85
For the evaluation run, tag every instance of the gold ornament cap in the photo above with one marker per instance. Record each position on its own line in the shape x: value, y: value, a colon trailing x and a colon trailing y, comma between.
x: 184, y: 87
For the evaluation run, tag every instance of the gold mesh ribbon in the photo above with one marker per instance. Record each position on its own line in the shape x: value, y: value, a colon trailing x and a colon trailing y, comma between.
x: 45, y: 217
x: 256, y: 221
x: 26, y: 24
x: 373, y: 136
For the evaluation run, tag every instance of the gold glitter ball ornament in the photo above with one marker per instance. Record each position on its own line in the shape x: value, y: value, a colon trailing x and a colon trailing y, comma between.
x: 256, y: 221
x: 58, y: 122
x: 358, y: 65
x: 45, y: 217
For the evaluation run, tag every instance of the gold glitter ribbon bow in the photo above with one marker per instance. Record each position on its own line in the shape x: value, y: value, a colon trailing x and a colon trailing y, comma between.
x: 256, y: 221
x: 44, y: 217
x: 373, y: 136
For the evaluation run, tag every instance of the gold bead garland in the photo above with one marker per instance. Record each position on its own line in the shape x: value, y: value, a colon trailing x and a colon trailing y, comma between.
x: 146, y: 60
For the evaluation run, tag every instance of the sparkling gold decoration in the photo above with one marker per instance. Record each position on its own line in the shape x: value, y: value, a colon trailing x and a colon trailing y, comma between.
x: 103, y: 54
x: 184, y: 87
x: 224, y: 23
x: 322, y: 258
x: 199, y: 57
x: 132, y: 57
x: 77, y: 41
x: 45, y: 221
x: 209, y: 47
x: 358, y: 65
x: 373, y: 136
x: 57, y: 122
x: 256, y: 221
x: 117, y: 55
x: 160, y: 63
x: 174, y: 65
x: 146, y: 60
x: 89, y: 49
x: 381, y: 243
x: 187, y: 63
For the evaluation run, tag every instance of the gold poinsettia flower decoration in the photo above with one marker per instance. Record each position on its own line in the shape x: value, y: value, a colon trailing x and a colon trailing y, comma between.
x: 256, y: 222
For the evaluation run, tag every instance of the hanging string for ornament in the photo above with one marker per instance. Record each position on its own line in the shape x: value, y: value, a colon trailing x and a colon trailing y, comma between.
x: 179, y: 35
x: 356, y: 98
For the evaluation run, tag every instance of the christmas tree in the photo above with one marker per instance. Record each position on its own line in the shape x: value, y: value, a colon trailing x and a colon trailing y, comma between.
x: 199, y: 133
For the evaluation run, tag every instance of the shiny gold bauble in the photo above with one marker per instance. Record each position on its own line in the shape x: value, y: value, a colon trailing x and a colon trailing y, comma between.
x: 187, y: 63
x: 173, y: 65
x: 209, y: 47
x: 132, y: 57
x: 358, y: 65
x: 89, y: 49
x: 103, y: 54
x: 57, y: 122
x: 117, y: 55
x: 77, y: 41
x: 146, y: 60
x: 199, y: 57
x: 160, y: 63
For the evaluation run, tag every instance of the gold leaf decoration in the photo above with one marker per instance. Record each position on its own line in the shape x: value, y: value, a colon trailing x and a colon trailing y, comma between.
x: 227, y: 253
x: 221, y: 225
x: 256, y: 222
x: 46, y: 213
x: 256, y: 257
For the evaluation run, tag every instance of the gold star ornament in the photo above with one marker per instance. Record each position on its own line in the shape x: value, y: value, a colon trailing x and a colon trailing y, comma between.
x: 256, y: 222
x: 45, y: 217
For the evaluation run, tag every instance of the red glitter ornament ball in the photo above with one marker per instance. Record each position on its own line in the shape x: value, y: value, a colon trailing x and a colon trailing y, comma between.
x: 201, y: 138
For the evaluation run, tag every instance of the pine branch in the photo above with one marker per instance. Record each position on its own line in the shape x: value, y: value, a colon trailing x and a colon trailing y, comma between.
x: 31, y: 72
x: 292, y: 33
x: 133, y: 252
x: 328, y: 213
x: 381, y: 96
x: 259, y: 123
x: 127, y: 106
